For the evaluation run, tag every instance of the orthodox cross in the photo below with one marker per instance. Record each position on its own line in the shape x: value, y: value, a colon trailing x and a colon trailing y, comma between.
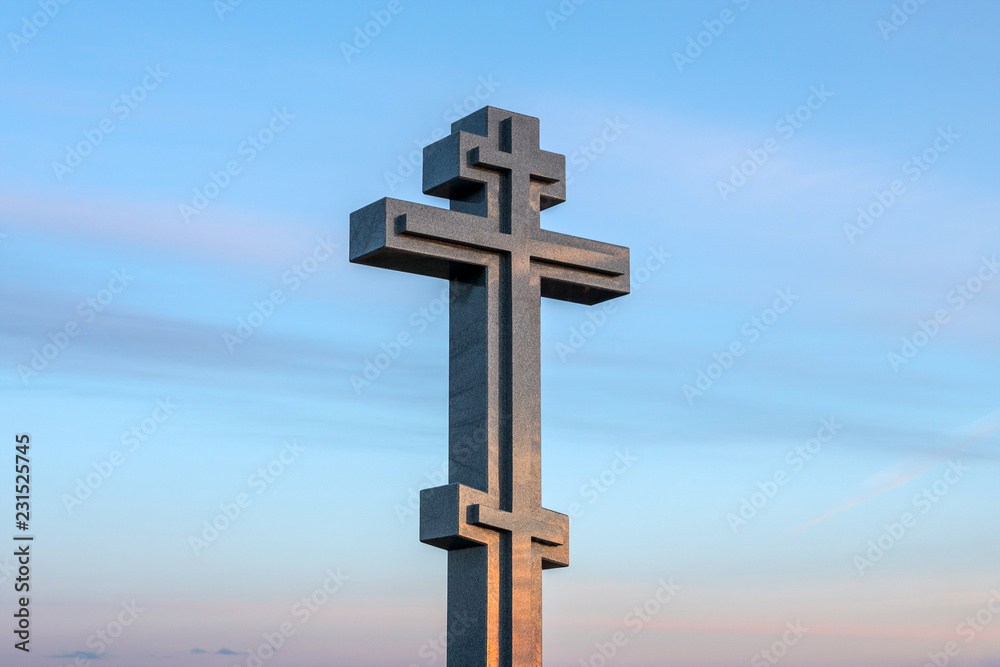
x: 489, y: 517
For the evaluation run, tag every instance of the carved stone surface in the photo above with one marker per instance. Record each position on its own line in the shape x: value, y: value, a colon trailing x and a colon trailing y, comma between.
x: 500, y: 263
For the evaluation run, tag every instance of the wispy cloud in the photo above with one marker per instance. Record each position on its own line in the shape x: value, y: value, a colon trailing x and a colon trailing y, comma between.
x: 891, y: 479
x: 225, y: 233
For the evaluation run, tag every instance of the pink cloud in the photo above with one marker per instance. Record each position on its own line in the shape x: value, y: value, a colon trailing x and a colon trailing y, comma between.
x: 220, y: 233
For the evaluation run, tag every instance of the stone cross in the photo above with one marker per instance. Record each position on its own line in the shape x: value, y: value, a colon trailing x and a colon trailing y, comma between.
x: 489, y: 517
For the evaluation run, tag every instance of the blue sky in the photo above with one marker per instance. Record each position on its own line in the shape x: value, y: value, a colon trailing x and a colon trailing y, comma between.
x: 167, y: 167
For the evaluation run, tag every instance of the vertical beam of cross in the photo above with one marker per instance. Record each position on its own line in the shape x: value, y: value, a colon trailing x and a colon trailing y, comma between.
x: 500, y: 264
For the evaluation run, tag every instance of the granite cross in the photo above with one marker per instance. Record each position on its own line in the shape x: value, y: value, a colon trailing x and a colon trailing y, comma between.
x: 500, y: 263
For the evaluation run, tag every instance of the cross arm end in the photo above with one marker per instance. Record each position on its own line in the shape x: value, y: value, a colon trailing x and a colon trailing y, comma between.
x: 442, y: 517
x: 380, y: 238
